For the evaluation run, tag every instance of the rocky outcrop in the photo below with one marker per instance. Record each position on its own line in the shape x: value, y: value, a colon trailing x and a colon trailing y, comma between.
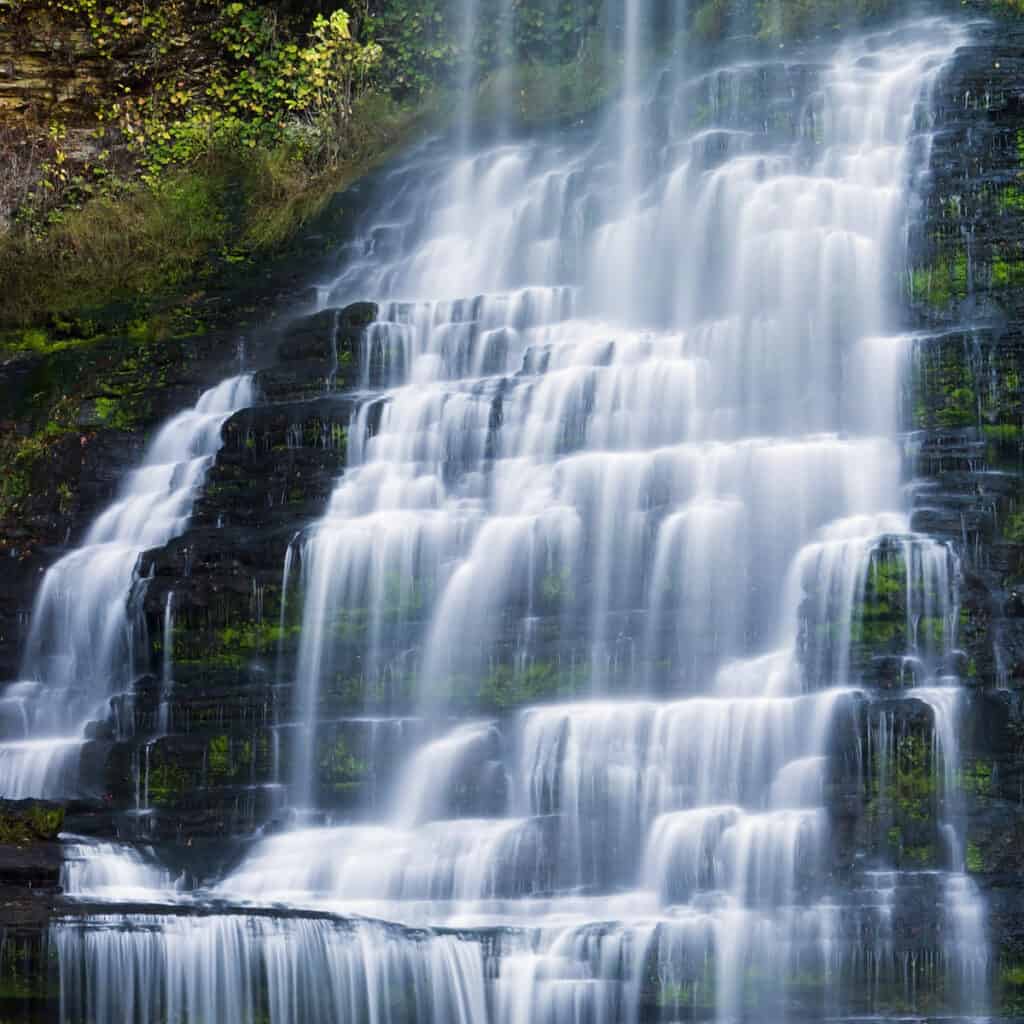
x: 47, y: 68
x: 966, y: 290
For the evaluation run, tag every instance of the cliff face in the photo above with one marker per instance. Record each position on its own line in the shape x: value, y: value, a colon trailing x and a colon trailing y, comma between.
x: 47, y: 68
x: 212, y: 775
x: 50, y: 73
x: 967, y: 294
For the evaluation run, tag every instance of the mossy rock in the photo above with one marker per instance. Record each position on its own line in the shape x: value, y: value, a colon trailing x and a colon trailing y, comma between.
x: 29, y: 821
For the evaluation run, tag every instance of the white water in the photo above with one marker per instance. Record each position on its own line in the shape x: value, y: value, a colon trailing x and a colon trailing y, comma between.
x: 107, y: 871
x: 649, y: 397
x: 637, y: 441
x: 81, y: 642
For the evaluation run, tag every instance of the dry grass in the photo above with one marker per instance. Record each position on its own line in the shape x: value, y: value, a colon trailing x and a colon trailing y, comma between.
x: 111, y: 249
x: 148, y: 243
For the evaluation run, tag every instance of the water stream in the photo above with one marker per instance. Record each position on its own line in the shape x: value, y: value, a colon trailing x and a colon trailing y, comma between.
x: 81, y: 644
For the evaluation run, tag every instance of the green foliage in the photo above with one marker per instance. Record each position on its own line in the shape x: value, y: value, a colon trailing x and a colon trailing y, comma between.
x: 423, y: 41
x: 190, y: 76
x: 148, y: 241
x: 252, y: 93
x: 418, y: 41
x: 222, y: 126
x: 34, y: 824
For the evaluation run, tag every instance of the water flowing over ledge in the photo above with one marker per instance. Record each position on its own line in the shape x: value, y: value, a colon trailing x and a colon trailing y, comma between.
x: 627, y: 447
x: 81, y: 647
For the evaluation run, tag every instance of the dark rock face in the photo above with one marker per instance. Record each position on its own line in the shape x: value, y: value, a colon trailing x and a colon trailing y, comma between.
x: 966, y: 291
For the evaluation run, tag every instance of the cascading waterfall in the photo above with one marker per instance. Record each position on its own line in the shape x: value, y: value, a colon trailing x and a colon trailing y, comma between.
x: 626, y: 461
x: 80, y: 647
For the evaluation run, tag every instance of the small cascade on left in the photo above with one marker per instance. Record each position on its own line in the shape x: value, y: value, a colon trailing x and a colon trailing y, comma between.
x: 80, y: 647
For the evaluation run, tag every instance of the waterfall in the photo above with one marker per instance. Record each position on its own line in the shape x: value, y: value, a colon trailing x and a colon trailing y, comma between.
x: 80, y: 647
x: 623, y: 532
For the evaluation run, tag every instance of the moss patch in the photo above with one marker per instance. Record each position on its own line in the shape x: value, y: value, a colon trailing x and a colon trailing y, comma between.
x: 941, y: 283
x: 21, y: 825
x: 507, y: 687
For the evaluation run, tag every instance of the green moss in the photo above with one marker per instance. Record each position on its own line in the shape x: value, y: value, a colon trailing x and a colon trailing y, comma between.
x: 26, y: 459
x: 1007, y: 273
x: 230, y: 646
x: 339, y: 769
x: 34, y: 824
x: 1001, y: 433
x: 1013, y: 528
x: 921, y: 856
x: 506, y: 687
x: 400, y: 600
x: 167, y: 783
x: 973, y: 860
x: 1012, y: 974
x: 888, y: 577
x: 910, y: 791
x: 977, y: 778
x: 227, y: 760
x: 1010, y: 200
x: 879, y: 619
x: 114, y: 413
x: 1010, y: 7
x: 875, y: 632
x: 938, y: 285
x: 218, y: 761
x: 960, y: 408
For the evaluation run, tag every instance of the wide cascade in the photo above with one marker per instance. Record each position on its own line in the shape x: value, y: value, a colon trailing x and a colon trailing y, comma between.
x: 625, y: 494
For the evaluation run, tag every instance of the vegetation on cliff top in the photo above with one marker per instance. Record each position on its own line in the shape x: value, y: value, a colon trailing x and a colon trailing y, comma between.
x: 209, y: 130
x: 213, y: 129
